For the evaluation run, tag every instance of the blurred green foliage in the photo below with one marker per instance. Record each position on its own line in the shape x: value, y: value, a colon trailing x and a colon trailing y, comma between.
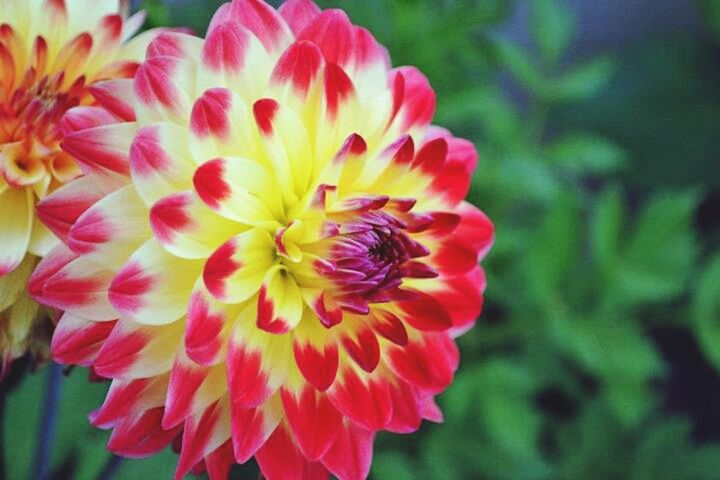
x: 595, y: 169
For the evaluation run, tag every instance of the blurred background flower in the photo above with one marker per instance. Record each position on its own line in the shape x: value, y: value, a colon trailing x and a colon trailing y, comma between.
x: 597, y: 355
x: 52, y: 54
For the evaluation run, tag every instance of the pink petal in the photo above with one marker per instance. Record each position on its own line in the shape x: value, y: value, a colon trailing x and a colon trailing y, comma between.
x: 299, y: 13
x: 351, y: 454
x: 314, y: 421
x: 280, y: 458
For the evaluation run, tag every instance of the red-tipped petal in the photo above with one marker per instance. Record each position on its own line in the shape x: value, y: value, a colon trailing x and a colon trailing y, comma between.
x: 103, y: 148
x: 389, y: 326
x: 299, y: 67
x: 62, y: 208
x: 162, y: 88
x: 251, y: 427
x: 80, y: 286
x: 115, y: 225
x: 254, y: 374
x: 280, y: 458
x: 220, y: 461
x: 463, y: 297
x: 141, y: 435
x: 333, y: 32
x: 316, y: 352
x: 314, y: 421
x: 351, y: 455
x: 361, y: 344
x: 202, y: 434
x: 84, y: 117
x: 416, y: 99
x: 133, y: 350
x: 77, y: 341
x: 127, y: 397
x: 258, y: 17
x: 364, y: 399
x: 299, y: 13
x: 407, y: 414
x: 338, y: 89
x: 153, y: 286
x: 426, y: 313
x: 174, y: 44
x: 116, y: 96
x: 207, y: 328
x: 186, y: 378
x: 160, y: 161
x: 428, y: 362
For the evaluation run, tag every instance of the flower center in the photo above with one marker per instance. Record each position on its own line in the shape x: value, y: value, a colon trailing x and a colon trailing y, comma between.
x: 34, y: 109
x: 373, y: 253
x: 30, y: 130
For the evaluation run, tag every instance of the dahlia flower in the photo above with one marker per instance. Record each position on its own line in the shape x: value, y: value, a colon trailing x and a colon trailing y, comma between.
x: 53, y: 56
x: 271, y: 255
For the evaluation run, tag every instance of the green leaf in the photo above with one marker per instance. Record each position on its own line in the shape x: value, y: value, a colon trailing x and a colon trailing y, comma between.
x: 706, y: 311
x: 486, y: 107
x: 666, y: 452
x: 492, y: 423
x: 588, y: 443
x: 75, y: 439
x: 618, y: 354
x: 508, y: 415
x: 520, y: 66
x: 606, y: 229
x: 75, y: 436
x: 158, y: 13
x: 392, y: 465
x: 22, y: 424
x: 161, y: 464
x: 581, y: 82
x: 552, y: 27
x: 710, y: 14
x: 584, y: 153
x: 658, y: 257
x: 555, y: 247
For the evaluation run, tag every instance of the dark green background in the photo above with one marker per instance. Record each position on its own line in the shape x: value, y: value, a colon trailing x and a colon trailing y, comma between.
x: 597, y: 356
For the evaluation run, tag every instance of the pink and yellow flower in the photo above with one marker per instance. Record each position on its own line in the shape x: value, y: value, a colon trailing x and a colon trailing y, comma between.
x: 54, y: 55
x: 272, y: 255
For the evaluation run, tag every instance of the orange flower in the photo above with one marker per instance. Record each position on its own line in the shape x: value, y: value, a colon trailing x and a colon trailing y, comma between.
x: 54, y: 55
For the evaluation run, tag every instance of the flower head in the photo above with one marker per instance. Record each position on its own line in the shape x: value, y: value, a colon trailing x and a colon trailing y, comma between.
x: 54, y: 55
x: 283, y: 254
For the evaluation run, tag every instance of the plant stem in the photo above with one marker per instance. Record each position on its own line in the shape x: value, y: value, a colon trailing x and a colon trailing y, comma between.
x: 2, y: 433
x: 111, y: 467
x: 48, y: 422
